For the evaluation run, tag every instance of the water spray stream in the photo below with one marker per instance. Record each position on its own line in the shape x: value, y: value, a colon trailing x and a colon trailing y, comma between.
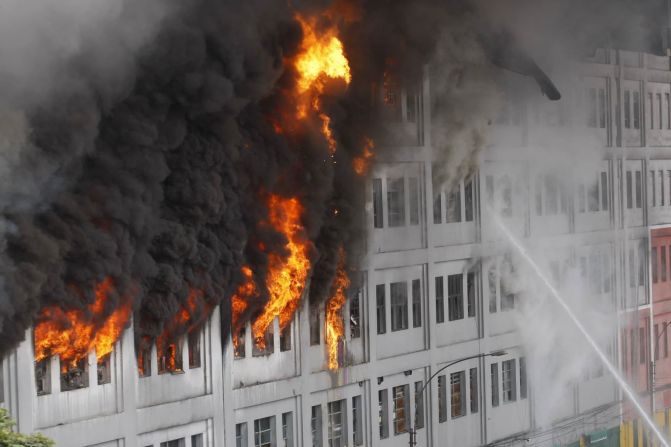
x: 555, y: 293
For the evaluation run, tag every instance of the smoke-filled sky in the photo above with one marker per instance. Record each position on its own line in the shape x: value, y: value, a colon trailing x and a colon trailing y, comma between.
x: 136, y: 138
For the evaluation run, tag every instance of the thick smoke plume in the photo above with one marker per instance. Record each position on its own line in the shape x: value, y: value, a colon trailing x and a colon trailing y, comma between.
x: 136, y: 142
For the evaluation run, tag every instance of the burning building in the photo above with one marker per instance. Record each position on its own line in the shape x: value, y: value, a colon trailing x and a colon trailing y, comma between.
x: 277, y: 231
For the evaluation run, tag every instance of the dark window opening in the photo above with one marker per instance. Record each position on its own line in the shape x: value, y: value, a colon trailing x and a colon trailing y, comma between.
x: 75, y: 376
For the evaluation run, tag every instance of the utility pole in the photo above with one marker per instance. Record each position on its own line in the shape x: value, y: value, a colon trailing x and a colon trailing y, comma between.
x: 412, y: 432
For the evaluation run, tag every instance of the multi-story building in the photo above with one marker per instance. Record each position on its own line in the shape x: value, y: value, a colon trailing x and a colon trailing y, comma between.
x: 439, y: 289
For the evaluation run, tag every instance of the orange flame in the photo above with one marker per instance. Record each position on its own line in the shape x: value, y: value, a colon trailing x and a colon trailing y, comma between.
x: 362, y: 163
x: 187, y: 319
x: 72, y: 334
x: 286, y: 275
x: 321, y: 58
x: 239, y: 302
x: 335, y: 328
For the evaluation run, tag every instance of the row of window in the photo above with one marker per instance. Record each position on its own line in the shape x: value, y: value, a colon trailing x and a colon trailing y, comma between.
x: 659, y: 262
x: 634, y: 344
x: 76, y: 376
x: 400, y: 411
x: 659, y: 109
x: 240, y: 348
x: 196, y: 441
x: 660, y: 180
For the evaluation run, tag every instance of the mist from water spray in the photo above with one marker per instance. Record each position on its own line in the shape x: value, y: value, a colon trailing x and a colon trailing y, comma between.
x: 560, y: 300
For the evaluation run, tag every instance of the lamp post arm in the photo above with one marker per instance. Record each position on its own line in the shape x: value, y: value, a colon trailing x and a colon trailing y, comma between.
x: 447, y: 366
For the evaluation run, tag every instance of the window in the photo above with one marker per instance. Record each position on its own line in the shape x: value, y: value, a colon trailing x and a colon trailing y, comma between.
x: 641, y: 265
x: 337, y: 431
x: 662, y: 264
x: 602, y: 108
x: 591, y: 117
x: 605, y: 258
x: 604, y: 191
x: 288, y: 429
x: 416, y: 303
x: 285, y: 339
x: 508, y: 381
x: 627, y: 110
x: 197, y: 440
x: 396, y: 202
x: 470, y: 293
x: 457, y: 401
x: 453, y: 205
x: 656, y: 347
x: 581, y: 198
x: 377, y: 203
x: 659, y: 109
x: 523, y: 378
x: 668, y: 111
x: 641, y: 345
x: 661, y: 187
x: 75, y: 376
x: 181, y: 442
x: 240, y: 350
x: 630, y: 194
x: 269, y: 339
x: 169, y: 356
x: 194, y: 349
x: 316, y: 425
x: 381, y: 311
x: 315, y: 325
x: 104, y: 370
x: 494, y: 377
x: 473, y: 382
x: 638, y: 189
x: 653, y: 189
x: 43, y: 376
x: 442, y: 399
x: 419, y: 404
x: 440, y: 300
x: 489, y: 187
x: 506, y: 197
x: 455, y: 297
x: 357, y: 420
x: 652, y: 112
x: 437, y: 195
x: 468, y: 199
x: 263, y: 432
x: 241, y: 435
x: 538, y: 186
x: 632, y: 269
x: 507, y: 296
x: 355, y: 314
x: 399, y: 305
x: 491, y: 279
x: 401, y: 405
x: 653, y: 260
x: 637, y: 110
x: 383, y: 416
x: 413, y: 185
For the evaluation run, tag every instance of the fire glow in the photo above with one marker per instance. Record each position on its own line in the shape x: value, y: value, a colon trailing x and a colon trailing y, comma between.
x: 335, y: 328
x: 72, y: 334
x: 286, y: 274
x: 239, y: 302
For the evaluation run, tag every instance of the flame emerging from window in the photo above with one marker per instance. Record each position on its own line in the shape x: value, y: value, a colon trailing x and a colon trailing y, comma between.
x: 240, y: 302
x: 191, y: 316
x: 361, y: 163
x: 286, y: 274
x: 335, y: 328
x: 321, y: 58
x: 72, y: 334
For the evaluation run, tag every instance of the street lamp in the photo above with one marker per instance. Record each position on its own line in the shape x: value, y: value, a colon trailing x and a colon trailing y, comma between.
x: 413, y: 431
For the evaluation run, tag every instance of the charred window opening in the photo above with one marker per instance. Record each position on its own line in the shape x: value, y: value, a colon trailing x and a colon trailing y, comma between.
x: 285, y: 339
x: 144, y: 361
x: 43, y: 377
x: 239, y: 348
x: 315, y: 331
x: 355, y: 314
x: 74, y: 376
x: 269, y: 340
x: 194, y: 349
x: 105, y: 369
x: 169, y: 356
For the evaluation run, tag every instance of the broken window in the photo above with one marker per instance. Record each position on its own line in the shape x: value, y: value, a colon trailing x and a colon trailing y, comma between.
x: 285, y: 339
x: 239, y: 348
x: 269, y: 339
x: 377, y: 203
x: 194, y: 349
x: 315, y: 326
x: 355, y: 314
x: 43, y: 377
x: 468, y: 200
x: 169, y: 356
x: 75, y: 376
x: 144, y: 361
x: 105, y: 369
